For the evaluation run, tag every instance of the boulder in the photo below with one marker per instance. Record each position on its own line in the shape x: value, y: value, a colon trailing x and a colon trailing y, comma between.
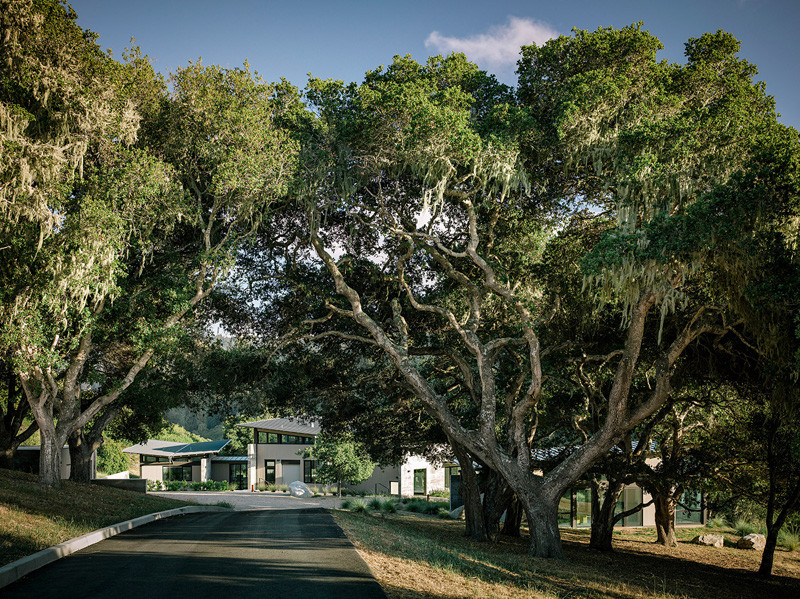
x: 709, y: 540
x: 752, y: 541
x: 457, y: 513
x: 298, y: 489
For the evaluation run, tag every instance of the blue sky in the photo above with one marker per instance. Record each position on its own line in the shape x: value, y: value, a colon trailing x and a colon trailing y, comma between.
x: 343, y: 39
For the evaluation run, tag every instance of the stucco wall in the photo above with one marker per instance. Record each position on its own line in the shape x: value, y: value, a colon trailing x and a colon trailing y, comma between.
x: 152, y: 472
x: 380, y: 481
x: 277, y: 452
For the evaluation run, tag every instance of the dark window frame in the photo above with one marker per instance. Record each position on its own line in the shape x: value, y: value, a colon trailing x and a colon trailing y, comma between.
x: 168, y: 473
x: 424, y: 472
x: 309, y: 471
x: 267, y: 468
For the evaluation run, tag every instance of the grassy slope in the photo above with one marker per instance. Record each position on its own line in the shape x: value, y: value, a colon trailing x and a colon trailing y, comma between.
x: 417, y: 557
x: 34, y: 517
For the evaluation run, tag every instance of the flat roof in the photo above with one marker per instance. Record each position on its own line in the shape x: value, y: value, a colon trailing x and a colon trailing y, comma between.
x: 295, y: 426
x: 170, y: 449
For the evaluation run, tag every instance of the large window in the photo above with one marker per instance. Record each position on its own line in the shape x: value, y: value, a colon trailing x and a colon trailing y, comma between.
x: 269, y: 471
x: 583, y: 507
x: 565, y: 510
x: 690, y: 508
x: 280, y: 438
x: 309, y: 471
x: 420, y: 481
x: 177, y: 473
x: 629, y: 499
x: 448, y: 472
x: 238, y: 475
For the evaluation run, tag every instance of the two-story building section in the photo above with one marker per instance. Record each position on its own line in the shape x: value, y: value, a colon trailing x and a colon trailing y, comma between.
x: 276, y: 454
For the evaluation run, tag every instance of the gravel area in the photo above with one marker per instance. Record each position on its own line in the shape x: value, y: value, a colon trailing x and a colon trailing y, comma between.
x: 259, y: 500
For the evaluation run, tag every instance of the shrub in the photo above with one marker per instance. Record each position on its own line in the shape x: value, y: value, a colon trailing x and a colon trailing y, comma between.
x: 375, y: 504
x: 346, y: 504
x: 151, y: 485
x: 358, y: 506
x: 431, y: 509
x: 440, y: 493
x: 744, y: 528
x: 717, y: 522
x: 224, y: 504
x: 284, y: 488
x: 444, y: 513
x: 272, y: 487
x: 388, y: 506
x: 195, y: 486
x: 789, y: 538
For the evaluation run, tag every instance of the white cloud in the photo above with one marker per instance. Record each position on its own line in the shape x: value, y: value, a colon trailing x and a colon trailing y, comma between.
x: 500, y: 46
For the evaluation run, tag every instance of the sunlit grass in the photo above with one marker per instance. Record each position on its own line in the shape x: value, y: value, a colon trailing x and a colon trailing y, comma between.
x: 34, y: 517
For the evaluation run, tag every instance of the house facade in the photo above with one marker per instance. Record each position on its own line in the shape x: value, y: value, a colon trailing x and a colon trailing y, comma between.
x: 575, y: 508
x: 167, y: 461
x: 276, y: 457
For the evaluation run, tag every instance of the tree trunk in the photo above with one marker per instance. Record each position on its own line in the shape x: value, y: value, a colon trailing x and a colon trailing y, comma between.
x: 80, y: 457
x: 497, y: 496
x: 767, y: 558
x: 50, y: 460
x: 665, y: 520
x: 513, y: 519
x: 475, y: 525
x: 7, y: 456
x: 604, y: 502
x: 543, y: 524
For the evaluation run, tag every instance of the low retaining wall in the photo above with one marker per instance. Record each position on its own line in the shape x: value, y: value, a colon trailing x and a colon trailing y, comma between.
x: 138, y: 485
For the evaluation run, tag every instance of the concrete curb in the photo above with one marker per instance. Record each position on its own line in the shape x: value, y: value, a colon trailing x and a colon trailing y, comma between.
x: 16, y: 570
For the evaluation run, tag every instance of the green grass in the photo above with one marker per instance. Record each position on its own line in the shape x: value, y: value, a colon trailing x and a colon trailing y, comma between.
x: 34, y: 517
x: 789, y: 538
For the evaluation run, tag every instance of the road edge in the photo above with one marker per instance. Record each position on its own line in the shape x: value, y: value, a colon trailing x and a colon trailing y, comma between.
x: 23, y: 566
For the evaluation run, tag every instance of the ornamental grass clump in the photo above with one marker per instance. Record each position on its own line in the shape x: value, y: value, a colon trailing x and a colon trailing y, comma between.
x: 789, y: 539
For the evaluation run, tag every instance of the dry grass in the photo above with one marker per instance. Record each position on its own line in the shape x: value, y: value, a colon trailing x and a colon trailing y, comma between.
x: 417, y: 557
x: 34, y: 517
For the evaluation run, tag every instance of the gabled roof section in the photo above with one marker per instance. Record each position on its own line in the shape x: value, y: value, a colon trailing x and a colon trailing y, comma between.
x: 170, y: 449
x: 293, y: 426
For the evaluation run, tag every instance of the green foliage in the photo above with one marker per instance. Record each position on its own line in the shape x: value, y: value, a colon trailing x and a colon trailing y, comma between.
x: 443, y: 513
x: 340, y: 459
x: 744, y: 528
x: 359, y: 507
x: 388, y: 506
x: 180, y: 435
x: 110, y: 458
x: 789, y: 539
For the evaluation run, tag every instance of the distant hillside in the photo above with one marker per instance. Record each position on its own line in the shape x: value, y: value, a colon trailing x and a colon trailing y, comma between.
x: 197, y: 423
x: 178, y: 434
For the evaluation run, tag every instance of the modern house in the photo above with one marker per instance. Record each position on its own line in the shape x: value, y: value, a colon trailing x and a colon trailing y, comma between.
x: 191, y: 462
x: 575, y: 508
x: 276, y: 457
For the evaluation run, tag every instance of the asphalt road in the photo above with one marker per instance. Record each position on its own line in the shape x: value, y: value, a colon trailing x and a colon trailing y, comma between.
x: 295, y: 553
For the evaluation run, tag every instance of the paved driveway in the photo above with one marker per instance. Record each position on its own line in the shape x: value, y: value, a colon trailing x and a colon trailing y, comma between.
x: 247, y: 500
x: 269, y: 552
